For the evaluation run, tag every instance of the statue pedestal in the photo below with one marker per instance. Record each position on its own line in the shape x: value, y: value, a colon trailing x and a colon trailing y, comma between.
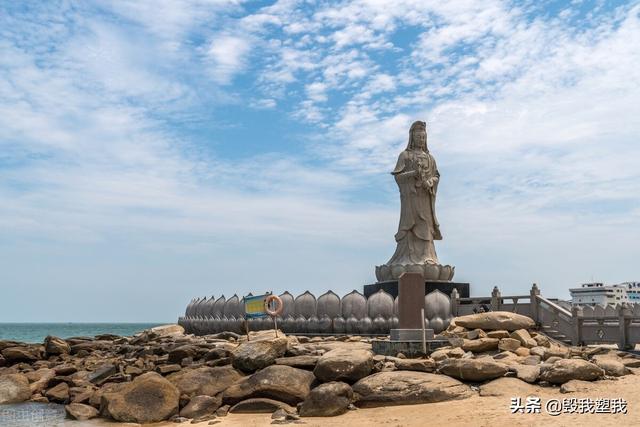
x: 411, y: 335
x: 391, y: 287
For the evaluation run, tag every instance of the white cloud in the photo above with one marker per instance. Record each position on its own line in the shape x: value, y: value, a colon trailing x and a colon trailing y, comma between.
x: 227, y: 53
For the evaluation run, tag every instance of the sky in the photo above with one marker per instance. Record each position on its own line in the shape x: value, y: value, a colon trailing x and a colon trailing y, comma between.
x: 155, y: 151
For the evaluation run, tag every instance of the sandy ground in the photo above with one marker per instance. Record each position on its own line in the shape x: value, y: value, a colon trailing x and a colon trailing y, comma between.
x: 475, y: 411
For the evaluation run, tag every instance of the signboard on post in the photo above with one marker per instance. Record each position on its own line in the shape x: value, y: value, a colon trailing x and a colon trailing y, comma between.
x: 254, y: 307
x: 262, y: 306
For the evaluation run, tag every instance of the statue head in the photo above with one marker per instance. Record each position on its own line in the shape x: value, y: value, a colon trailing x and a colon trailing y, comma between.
x: 418, y: 136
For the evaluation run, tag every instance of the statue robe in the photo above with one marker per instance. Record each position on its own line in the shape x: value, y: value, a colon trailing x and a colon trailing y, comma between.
x: 418, y: 226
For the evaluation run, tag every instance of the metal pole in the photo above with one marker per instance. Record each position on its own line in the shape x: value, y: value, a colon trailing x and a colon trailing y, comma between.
x: 424, y: 333
x: 275, y: 325
x: 246, y: 327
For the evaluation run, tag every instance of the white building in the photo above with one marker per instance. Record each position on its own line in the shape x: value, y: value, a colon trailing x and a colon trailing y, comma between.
x: 633, y: 291
x: 598, y: 293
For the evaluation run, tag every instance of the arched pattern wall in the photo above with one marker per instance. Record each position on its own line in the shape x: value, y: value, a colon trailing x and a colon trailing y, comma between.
x: 304, y: 314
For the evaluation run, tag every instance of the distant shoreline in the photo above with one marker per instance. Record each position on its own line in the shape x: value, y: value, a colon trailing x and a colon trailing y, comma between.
x: 35, y: 332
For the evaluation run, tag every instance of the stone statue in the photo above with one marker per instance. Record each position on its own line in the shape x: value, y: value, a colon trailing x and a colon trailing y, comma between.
x: 417, y: 177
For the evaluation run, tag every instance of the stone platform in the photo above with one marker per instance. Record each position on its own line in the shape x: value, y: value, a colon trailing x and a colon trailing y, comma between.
x: 391, y: 287
x: 411, y: 334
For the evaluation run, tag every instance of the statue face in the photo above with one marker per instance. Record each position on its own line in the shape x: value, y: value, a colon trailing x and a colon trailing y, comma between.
x: 420, y: 139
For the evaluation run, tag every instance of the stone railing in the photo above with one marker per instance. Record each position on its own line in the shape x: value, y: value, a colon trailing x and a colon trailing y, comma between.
x: 306, y: 314
x: 613, y: 324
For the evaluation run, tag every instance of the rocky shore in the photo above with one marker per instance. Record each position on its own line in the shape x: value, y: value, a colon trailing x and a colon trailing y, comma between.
x: 164, y: 374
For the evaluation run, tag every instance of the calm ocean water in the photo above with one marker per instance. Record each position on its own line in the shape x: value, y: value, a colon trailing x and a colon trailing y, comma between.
x: 36, y: 332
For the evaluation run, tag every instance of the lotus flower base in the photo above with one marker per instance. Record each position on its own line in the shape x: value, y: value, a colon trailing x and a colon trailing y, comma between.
x: 429, y: 271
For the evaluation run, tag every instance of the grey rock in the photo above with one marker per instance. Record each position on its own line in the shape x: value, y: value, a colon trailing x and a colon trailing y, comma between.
x: 21, y: 354
x: 527, y: 373
x: 59, y: 393
x: 81, y: 412
x: 472, y: 369
x: 508, y: 344
x: 253, y: 355
x: 571, y: 369
x: 204, y: 381
x: 302, y: 362
x: 148, y: 398
x: 279, y: 382
x: 55, y: 345
x: 573, y: 386
x: 201, y: 406
x: 612, y: 367
x: 495, y: 320
x: 507, y: 387
x: 14, y: 388
x: 102, y: 373
x: 407, y: 387
x: 327, y: 400
x: 343, y: 364
x: 480, y: 345
x: 260, y: 405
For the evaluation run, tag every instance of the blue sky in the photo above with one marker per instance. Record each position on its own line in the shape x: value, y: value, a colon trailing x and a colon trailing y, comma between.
x: 153, y: 151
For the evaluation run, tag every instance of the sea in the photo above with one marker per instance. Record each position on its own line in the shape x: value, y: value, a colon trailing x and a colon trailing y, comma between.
x: 36, y: 332
x: 30, y: 414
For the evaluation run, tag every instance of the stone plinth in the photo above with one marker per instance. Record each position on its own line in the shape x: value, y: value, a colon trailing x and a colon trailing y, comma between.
x: 410, y: 301
x: 411, y: 335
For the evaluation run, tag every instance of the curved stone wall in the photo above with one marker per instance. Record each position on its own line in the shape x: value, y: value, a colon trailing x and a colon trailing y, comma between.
x: 306, y: 314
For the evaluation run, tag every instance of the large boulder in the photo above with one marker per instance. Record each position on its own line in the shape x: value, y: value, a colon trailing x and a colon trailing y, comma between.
x: 40, y: 379
x: 81, y: 412
x: 527, y: 373
x: 508, y: 344
x: 250, y: 356
x: 167, y: 330
x: 522, y: 335
x: 476, y: 370
x: 58, y: 393
x: 495, y: 320
x: 407, y: 388
x: 279, y: 382
x: 421, y: 365
x: 303, y: 362
x: 327, y: 400
x: 22, y: 354
x: 508, y: 387
x: 612, y: 366
x: 148, y: 398
x: 14, y: 388
x: 260, y: 405
x: 480, y: 345
x: 201, y: 406
x: 343, y: 364
x: 55, y: 345
x: 204, y: 381
x: 182, y: 352
x: 565, y: 370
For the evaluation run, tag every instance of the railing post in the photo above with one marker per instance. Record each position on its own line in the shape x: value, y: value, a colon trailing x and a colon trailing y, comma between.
x: 534, y: 303
x: 455, y: 302
x: 624, y: 314
x: 495, y: 299
x: 576, y: 325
